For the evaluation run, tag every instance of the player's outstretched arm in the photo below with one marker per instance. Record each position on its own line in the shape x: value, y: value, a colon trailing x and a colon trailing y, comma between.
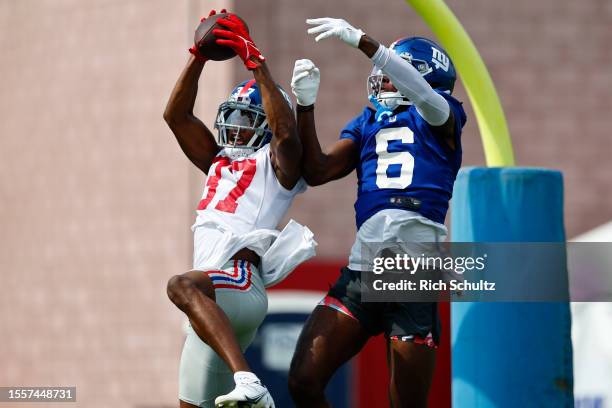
x: 317, y: 167
x: 431, y: 106
x: 195, y: 139
x: 285, y: 147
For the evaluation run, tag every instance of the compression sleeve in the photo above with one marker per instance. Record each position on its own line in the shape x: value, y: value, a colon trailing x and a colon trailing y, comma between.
x: 429, y: 104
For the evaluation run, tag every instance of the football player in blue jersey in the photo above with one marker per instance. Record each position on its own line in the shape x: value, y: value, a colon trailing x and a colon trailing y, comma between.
x: 406, y: 148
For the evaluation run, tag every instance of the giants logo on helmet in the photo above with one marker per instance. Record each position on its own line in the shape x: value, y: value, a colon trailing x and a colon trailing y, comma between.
x: 239, y: 96
x: 439, y: 59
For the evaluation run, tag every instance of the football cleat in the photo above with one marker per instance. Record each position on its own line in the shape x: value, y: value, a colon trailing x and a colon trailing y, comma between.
x: 252, y: 395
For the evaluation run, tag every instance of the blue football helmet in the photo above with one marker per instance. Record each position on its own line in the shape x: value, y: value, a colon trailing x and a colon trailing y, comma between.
x: 241, y: 121
x: 432, y: 62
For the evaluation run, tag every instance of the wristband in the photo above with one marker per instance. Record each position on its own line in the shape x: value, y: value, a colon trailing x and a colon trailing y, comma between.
x: 301, y: 108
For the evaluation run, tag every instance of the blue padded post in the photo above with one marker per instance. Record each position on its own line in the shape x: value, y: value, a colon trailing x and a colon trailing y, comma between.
x: 510, y: 354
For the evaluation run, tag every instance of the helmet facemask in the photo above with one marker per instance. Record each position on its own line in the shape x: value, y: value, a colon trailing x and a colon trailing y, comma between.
x: 235, y: 120
x: 388, y: 99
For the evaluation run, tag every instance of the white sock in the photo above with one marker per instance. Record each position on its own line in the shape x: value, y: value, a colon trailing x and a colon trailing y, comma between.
x: 245, y: 377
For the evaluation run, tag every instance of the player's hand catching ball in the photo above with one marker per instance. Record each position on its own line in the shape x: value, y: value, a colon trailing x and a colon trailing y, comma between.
x: 305, y: 82
x: 236, y: 36
x: 194, y: 49
x: 335, y: 27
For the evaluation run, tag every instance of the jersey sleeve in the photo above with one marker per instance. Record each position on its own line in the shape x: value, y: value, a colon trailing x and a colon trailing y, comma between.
x: 299, y: 187
x: 353, y: 129
x: 456, y: 108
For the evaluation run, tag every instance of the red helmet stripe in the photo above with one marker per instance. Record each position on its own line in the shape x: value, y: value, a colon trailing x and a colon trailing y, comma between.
x: 246, y: 88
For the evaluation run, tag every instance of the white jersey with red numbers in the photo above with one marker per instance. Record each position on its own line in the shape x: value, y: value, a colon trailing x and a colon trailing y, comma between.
x: 244, y: 194
x: 242, y: 204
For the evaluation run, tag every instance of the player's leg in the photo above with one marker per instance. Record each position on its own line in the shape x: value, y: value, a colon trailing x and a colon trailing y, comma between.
x: 412, y: 367
x: 413, y: 332
x: 328, y: 340
x: 204, y: 376
x: 334, y: 333
x: 246, y: 305
x: 193, y: 293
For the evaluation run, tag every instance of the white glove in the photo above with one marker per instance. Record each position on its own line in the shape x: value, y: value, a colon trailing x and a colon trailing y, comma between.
x: 305, y: 82
x: 337, y: 27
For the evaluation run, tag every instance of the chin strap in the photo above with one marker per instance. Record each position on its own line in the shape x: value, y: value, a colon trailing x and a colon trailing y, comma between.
x: 391, y: 100
x: 381, y: 111
x: 238, y: 152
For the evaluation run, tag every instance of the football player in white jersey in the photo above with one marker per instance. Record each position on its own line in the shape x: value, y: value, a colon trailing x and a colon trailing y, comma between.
x: 253, y: 174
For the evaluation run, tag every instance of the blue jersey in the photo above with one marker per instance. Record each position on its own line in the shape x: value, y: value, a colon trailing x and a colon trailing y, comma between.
x: 403, y: 163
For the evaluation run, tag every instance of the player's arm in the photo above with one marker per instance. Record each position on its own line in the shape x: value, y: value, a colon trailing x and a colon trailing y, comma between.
x: 285, y: 146
x: 432, y: 107
x: 317, y: 167
x: 320, y: 167
x: 195, y: 139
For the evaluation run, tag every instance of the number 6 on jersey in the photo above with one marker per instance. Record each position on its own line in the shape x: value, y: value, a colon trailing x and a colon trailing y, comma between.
x: 392, y: 160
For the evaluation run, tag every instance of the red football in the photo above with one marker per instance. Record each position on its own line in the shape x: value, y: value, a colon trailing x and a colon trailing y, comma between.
x: 205, y: 39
